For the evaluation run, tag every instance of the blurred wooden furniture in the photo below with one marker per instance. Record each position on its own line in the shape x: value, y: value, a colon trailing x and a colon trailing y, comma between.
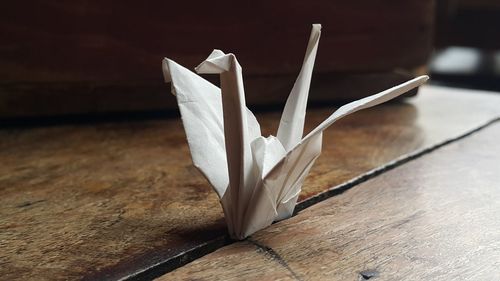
x: 122, y: 200
x: 84, y: 57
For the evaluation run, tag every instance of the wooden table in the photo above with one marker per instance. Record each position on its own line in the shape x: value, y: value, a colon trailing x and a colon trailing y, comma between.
x: 122, y: 200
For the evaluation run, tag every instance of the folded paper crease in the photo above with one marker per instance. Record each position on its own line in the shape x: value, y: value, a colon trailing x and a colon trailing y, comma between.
x: 258, y: 179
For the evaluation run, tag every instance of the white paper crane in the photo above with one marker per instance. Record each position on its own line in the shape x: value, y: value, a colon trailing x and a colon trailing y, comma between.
x: 257, y: 179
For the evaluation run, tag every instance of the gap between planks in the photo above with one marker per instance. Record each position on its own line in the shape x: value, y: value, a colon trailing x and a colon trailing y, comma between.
x: 188, y: 256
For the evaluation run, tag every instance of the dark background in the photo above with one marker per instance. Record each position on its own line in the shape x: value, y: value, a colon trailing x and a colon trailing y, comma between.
x: 89, y: 59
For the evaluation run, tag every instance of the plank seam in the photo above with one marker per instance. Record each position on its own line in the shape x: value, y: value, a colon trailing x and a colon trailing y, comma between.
x: 339, y: 189
x: 186, y: 257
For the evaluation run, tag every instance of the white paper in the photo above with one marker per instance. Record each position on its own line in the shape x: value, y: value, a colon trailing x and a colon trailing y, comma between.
x: 258, y: 179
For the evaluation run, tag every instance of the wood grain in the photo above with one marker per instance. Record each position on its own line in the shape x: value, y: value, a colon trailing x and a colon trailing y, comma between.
x: 434, y: 218
x: 108, y: 200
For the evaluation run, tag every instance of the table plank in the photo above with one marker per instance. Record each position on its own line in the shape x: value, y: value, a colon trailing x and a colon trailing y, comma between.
x: 435, y: 218
x: 110, y: 200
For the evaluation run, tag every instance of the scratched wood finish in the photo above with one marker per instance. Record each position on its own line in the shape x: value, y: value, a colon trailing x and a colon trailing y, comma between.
x: 107, y: 200
x: 434, y: 218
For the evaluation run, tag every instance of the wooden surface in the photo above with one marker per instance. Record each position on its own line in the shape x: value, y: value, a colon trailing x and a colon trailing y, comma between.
x: 109, y: 200
x: 434, y: 218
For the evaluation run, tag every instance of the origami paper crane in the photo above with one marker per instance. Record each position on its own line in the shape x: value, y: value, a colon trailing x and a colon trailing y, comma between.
x: 258, y: 179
